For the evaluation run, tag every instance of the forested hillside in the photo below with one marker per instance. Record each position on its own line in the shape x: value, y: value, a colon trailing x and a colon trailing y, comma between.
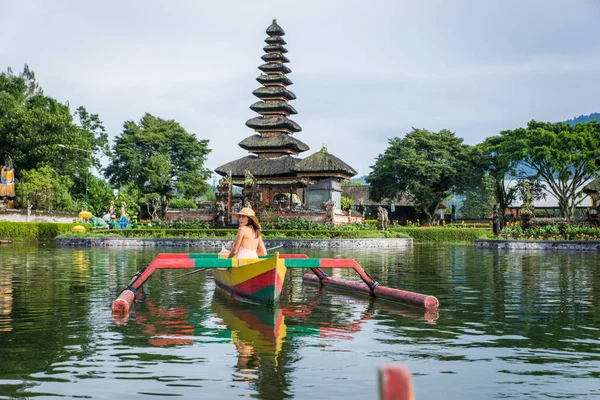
x: 582, y: 119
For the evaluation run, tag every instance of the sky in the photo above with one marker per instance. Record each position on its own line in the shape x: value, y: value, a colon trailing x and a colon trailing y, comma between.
x: 363, y: 71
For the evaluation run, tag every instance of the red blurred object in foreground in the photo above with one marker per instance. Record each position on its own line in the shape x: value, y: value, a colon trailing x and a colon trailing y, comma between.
x: 395, y: 383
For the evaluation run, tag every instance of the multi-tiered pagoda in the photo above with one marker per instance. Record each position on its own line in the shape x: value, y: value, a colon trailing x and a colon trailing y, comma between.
x: 276, y: 172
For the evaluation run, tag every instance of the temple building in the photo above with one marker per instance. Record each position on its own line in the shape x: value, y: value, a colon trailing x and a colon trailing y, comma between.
x: 272, y: 175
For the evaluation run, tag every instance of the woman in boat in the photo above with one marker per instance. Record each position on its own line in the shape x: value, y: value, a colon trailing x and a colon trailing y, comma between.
x: 248, y: 243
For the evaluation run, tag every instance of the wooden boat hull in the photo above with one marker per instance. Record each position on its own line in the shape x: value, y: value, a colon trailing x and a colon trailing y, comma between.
x: 257, y: 281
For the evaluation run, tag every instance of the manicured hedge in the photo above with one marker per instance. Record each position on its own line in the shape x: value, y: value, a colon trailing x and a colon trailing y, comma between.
x: 445, y: 235
x: 161, y: 233
x: 47, y: 231
x: 34, y: 230
x: 231, y: 233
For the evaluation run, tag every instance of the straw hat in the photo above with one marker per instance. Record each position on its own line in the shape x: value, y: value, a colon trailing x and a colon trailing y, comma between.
x: 248, y: 212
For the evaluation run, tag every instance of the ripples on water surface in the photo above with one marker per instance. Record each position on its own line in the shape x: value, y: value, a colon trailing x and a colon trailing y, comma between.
x: 522, y: 325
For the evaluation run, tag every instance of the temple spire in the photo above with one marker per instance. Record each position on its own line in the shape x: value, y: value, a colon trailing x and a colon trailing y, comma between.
x: 274, y: 124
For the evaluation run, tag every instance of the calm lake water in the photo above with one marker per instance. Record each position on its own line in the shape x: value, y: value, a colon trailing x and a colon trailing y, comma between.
x: 518, y: 325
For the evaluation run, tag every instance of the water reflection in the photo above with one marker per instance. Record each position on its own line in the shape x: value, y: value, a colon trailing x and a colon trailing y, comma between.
x: 6, y: 298
x: 511, y: 324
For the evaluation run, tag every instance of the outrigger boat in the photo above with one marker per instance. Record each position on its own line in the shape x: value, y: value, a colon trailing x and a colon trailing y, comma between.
x: 260, y: 281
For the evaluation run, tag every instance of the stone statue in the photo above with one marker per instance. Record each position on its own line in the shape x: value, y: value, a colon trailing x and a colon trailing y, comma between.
x: 361, y: 207
x: 496, y: 222
x: 382, y: 219
x: 330, y: 207
x: 219, y: 220
x: 527, y: 208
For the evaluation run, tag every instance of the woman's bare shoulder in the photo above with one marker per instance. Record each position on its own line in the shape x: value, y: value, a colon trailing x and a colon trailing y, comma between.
x: 245, y: 229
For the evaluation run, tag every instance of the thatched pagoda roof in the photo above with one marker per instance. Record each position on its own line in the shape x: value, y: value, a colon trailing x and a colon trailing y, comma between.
x: 274, y: 68
x: 273, y: 92
x: 274, y: 79
x: 275, y: 30
x: 271, y: 48
x: 323, y: 162
x: 275, y: 57
x: 276, y: 40
x: 273, y: 107
x: 283, y: 141
x: 275, y: 143
x: 260, y: 167
x: 279, y: 122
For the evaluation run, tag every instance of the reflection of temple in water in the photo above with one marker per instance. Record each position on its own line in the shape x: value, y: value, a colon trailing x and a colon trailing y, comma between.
x: 6, y: 298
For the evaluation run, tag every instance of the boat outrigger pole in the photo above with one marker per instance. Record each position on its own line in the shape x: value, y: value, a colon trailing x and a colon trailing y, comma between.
x: 368, y: 285
x: 247, y: 284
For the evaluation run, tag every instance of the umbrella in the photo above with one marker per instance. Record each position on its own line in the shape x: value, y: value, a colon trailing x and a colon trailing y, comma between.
x: 85, y: 214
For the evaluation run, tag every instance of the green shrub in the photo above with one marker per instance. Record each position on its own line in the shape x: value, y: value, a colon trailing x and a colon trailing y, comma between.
x: 180, y: 202
x: 563, y: 230
x: 178, y: 224
x: 20, y: 231
x: 302, y: 223
x: 445, y: 235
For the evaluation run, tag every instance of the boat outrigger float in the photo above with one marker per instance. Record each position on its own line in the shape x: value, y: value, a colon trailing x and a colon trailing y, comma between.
x: 260, y: 280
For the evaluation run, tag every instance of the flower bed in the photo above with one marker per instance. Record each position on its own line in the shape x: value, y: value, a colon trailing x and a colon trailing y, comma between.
x: 563, y: 230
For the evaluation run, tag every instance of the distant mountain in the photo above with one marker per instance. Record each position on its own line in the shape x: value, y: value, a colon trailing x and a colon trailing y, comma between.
x: 361, y: 179
x: 582, y: 119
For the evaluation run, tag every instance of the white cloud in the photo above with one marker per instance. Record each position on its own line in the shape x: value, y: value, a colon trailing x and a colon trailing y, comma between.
x: 363, y: 71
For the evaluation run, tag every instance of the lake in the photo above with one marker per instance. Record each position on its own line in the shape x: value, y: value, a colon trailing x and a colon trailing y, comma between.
x: 511, y: 324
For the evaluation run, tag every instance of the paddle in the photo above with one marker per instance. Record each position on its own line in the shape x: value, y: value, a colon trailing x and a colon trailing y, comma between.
x: 202, y: 269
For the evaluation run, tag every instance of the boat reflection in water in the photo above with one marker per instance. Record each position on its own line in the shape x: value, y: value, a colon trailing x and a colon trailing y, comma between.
x: 267, y: 339
x: 166, y: 327
x: 258, y: 332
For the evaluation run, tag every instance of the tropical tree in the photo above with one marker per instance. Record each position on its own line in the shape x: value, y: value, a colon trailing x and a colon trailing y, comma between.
x: 507, y: 177
x: 100, y: 194
x: 159, y: 156
x: 479, y: 200
x: 37, y: 130
x: 428, y: 165
x: 560, y: 155
x: 33, y: 125
x: 43, y: 189
x: 183, y: 203
x: 130, y: 194
x: 152, y: 202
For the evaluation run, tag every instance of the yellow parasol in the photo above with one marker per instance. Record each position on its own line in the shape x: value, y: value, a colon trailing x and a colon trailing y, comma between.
x: 85, y: 214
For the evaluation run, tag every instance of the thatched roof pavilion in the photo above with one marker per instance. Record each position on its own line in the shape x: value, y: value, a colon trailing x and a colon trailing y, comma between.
x: 273, y: 164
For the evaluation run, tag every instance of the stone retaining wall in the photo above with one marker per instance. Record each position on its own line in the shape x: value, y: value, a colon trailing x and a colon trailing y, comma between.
x: 15, y: 215
x: 573, y: 245
x: 228, y: 243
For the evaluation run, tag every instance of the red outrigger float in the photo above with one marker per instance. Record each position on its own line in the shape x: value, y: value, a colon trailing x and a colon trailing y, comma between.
x: 261, y: 280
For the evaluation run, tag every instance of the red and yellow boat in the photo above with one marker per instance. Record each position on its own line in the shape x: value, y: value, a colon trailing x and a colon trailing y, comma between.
x: 260, y: 281
x: 255, y: 281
